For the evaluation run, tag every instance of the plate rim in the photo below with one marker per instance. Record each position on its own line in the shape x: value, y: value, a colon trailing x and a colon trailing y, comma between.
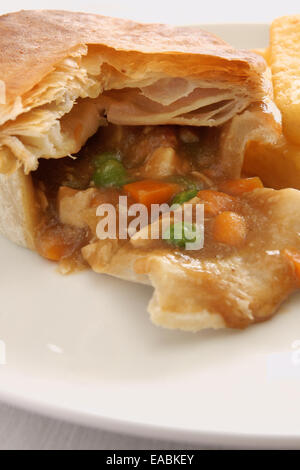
x: 152, y: 431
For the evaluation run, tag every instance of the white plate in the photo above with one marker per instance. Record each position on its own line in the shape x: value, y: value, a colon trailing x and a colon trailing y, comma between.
x: 82, y: 348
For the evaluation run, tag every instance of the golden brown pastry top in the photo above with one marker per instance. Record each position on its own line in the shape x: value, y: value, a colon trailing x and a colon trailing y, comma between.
x: 32, y: 42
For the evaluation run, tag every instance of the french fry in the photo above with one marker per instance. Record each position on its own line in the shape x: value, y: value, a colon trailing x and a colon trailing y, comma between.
x: 283, y: 57
x: 278, y: 166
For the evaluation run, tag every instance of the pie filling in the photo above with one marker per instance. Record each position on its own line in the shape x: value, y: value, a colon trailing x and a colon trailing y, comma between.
x: 250, y: 259
x: 148, y: 164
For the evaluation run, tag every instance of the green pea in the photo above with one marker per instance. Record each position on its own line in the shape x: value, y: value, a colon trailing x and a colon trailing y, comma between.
x: 110, y: 173
x: 180, y: 233
x: 184, y: 196
x: 105, y: 156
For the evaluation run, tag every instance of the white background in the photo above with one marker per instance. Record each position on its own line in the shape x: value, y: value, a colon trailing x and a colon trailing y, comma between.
x: 22, y: 430
x: 171, y: 11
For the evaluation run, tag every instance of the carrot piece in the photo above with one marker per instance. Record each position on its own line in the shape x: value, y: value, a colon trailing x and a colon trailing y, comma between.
x: 293, y: 256
x: 52, y: 247
x: 240, y: 186
x: 149, y: 192
x: 65, y: 191
x: 215, y: 202
x: 229, y: 228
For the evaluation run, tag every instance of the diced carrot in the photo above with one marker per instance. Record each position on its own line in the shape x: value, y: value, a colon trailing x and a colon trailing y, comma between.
x: 52, y: 247
x: 149, y: 192
x: 215, y: 202
x: 229, y: 228
x: 293, y: 256
x: 65, y: 191
x: 240, y: 186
